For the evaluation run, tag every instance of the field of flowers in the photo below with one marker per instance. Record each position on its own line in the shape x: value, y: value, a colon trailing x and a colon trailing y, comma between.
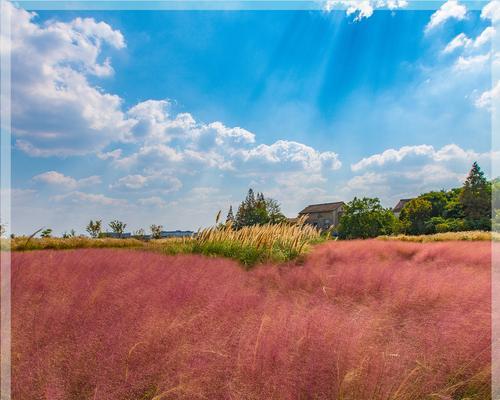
x: 355, y: 320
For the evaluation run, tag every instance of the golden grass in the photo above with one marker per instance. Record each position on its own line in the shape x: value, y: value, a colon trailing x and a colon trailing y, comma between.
x: 25, y: 243
x: 294, y: 237
x: 249, y: 245
x: 446, y: 236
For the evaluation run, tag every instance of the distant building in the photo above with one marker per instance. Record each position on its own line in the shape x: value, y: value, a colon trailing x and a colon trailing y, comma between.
x: 323, y: 216
x: 125, y: 235
x: 164, y: 234
x: 169, y: 234
x: 397, y: 209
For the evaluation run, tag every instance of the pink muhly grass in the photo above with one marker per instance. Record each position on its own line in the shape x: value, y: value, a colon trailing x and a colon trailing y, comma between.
x: 358, y: 320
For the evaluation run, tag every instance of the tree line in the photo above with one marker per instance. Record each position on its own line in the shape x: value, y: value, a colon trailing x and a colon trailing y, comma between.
x: 460, y: 209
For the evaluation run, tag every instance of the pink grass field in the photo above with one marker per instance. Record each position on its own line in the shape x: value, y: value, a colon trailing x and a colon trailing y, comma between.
x: 357, y: 320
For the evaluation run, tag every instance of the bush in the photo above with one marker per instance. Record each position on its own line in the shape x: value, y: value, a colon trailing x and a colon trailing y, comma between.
x: 366, y: 218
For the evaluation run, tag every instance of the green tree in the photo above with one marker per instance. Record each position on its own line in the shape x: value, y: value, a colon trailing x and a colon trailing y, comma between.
x: 366, y: 218
x: 156, y: 231
x: 438, y: 200
x: 69, y: 235
x: 94, y: 228
x: 475, y: 198
x: 118, y: 227
x: 274, y: 213
x: 230, y: 216
x: 46, y: 233
x: 415, y: 215
x: 257, y: 210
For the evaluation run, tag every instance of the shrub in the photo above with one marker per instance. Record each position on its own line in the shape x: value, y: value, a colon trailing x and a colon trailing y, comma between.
x: 156, y: 231
x: 365, y: 218
x: 94, y: 228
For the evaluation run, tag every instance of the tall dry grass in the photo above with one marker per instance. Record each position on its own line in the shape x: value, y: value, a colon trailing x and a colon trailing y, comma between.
x: 259, y: 243
x: 249, y: 245
x: 358, y: 320
x: 22, y: 243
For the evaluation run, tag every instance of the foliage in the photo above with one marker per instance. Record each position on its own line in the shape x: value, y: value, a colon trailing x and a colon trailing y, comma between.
x: 475, y: 198
x: 94, y: 228
x: 365, y: 218
x: 67, y: 235
x: 230, y: 217
x: 414, y: 215
x: 359, y: 320
x: 2, y: 229
x: 257, y: 210
x: 438, y: 201
x: 46, y: 233
x: 117, y: 227
x: 139, y: 233
x: 156, y: 231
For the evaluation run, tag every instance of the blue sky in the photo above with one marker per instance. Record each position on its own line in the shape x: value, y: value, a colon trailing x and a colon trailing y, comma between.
x: 168, y: 116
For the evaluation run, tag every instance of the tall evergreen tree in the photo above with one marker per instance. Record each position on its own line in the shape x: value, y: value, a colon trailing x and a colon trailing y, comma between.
x: 256, y: 210
x: 475, y: 196
x: 230, y: 216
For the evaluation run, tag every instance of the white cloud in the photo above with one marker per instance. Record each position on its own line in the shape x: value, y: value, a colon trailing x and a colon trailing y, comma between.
x: 412, y: 170
x: 78, y: 197
x: 295, y: 155
x: 153, y: 201
x: 416, y: 157
x: 450, y: 9
x: 460, y: 40
x: 464, y: 42
x: 489, y: 98
x: 491, y: 11
x: 114, y: 154
x: 484, y: 37
x: 55, y: 110
x: 392, y: 155
x: 472, y: 63
x: 157, y: 181
x: 58, y: 179
x: 364, y: 8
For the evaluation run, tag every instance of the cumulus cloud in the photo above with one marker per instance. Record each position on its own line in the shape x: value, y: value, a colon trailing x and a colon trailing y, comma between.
x: 153, y: 201
x: 410, y: 170
x: 58, y: 179
x: 450, y: 152
x: 158, y: 181
x: 452, y: 9
x: 77, y: 197
x: 180, y: 142
x: 295, y: 155
x: 363, y: 8
x: 463, y: 41
x: 472, y: 63
x: 55, y: 110
x: 491, y: 11
x: 489, y: 98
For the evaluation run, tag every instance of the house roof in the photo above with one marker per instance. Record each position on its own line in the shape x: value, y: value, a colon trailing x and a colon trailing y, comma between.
x: 324, y: 207
x: 400, y: 205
